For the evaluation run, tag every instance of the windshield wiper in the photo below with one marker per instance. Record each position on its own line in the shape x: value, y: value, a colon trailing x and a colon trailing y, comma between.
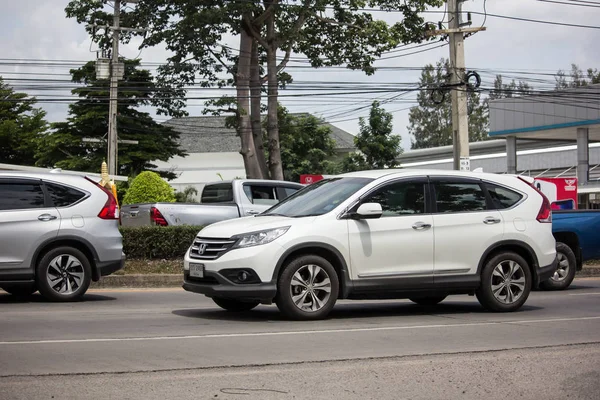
x: 272, y: 215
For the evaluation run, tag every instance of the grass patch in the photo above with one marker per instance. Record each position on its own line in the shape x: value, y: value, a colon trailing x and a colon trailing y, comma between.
x: 137, y: 266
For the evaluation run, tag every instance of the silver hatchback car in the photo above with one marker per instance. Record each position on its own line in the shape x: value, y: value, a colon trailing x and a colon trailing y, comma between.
x: 58, y: 233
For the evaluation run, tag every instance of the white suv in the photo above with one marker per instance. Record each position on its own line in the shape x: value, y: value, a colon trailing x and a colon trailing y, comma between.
x: 387, y: 234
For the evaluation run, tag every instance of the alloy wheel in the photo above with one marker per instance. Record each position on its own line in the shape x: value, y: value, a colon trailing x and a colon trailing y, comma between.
x: 65, y: 274
x: 310, y: 288
x: 562, y: 272
x: 508, y: 282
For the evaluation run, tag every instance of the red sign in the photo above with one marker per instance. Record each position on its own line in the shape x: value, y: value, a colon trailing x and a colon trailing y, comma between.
x: 309, y: 179
x: 562, y: 192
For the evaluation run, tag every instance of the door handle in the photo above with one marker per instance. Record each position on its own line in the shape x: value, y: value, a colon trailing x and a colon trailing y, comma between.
x: 47, y: 217
x: 421, y: 226
x: 491, y: 220
x: 252, y: 212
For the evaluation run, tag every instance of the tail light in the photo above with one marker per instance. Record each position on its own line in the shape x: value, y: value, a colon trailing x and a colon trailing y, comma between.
x: 111, y: 207
x: 157, y: 218
x: 545, y: 213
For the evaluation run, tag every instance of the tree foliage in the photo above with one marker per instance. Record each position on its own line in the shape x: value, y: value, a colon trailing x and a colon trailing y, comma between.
x: 306, y: 145
x: 378, y: 147
x: 576, y: 77
x: 327, y: 32
x: 88, y: 118
x: 149, y: 187
x: 187, y: 195
x: 512, y: 89
x: 21, y: 126
x: 430, y: 122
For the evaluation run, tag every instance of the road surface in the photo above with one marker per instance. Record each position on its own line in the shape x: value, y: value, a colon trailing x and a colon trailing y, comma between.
x: 167, y: 343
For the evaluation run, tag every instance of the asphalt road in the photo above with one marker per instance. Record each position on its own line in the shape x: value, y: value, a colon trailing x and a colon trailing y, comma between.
x: 167, y: 343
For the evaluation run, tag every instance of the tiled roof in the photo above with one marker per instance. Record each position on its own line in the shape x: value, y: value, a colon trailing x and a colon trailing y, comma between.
x: 208, y: 134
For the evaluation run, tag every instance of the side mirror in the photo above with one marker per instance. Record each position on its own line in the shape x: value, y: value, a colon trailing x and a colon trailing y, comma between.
x: 368, y: 211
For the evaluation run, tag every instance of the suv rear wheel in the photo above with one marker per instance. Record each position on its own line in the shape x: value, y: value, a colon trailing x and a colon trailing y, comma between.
x: 505, y: 282
x: 565, y: 273
x: 63, y: 274
x: 307, y: 288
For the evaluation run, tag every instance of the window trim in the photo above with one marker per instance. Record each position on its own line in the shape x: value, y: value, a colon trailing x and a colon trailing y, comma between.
x: 27, y: 181
x: 86, y: 194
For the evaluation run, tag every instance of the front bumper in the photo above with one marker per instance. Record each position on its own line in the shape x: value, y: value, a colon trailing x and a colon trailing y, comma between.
x: 109, y: 267
x: 546, y: 272
x: 216, y: 285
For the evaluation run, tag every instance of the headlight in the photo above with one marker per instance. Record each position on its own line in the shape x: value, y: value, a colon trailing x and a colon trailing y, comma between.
x: 262, y: 237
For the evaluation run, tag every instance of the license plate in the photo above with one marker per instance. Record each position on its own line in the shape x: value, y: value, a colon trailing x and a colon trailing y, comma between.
x: 197, y: 270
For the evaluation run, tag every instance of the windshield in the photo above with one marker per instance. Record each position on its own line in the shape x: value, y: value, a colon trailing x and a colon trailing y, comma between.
x: 318, y: 198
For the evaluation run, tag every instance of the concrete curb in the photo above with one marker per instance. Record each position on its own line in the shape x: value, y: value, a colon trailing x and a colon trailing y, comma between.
x: 176, y: 280
x: 139, y: 281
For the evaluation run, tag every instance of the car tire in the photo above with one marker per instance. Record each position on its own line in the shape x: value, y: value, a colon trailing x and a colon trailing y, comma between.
x: 21, y: 290
x: 63, y: 274
x: 234, y: 305
x: 505, y: 282
x: 567, y: 268
x: 307, y: 289
x: 428, y: 301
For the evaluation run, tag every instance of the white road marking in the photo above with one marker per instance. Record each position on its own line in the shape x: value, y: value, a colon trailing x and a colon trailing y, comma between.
x: 585, y: 294
x: 287, y: 333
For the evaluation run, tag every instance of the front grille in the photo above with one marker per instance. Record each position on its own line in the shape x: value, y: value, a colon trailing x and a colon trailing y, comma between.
x: 210, y: 249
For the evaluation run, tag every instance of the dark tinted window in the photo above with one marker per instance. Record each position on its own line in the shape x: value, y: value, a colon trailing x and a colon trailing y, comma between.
x: 402, y: 198
x: 503, y: 197
x: 459, y: 197
x: 63, y: 196
x: 217, y: 193
x: 265, y: 195
x: 20, y: 196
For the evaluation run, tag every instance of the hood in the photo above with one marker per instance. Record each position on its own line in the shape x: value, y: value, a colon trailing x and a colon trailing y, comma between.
x: 231, y: 227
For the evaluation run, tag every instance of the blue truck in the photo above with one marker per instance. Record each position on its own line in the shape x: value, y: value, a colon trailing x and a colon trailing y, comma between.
x: 577, y: 234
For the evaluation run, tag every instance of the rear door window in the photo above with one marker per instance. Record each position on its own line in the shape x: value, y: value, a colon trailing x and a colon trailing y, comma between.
x: 261, y: 194
x: 457, y: 197
x: 21, y: 196
x: 63, y: 196
x: 502, y: 197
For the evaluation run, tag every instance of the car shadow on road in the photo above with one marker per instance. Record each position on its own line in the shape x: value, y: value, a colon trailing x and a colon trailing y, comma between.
x: 6, y: 298
x: 347, y: 311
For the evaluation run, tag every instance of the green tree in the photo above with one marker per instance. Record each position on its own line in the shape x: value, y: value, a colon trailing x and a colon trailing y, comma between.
x: 187, y: 196
x: 327, y: 32
x: 21, y: 126
x: 512, y: 89
x: 378, y: 147
x: 306, y: 145
x: 149, y: 187
x: 88, y: 118
x: 576, y: 77
x: 431, y: 121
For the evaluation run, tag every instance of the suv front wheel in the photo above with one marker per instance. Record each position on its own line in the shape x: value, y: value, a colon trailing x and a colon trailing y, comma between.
x: 63, y: 274
x: 505, y: 282
x: 307, y: 288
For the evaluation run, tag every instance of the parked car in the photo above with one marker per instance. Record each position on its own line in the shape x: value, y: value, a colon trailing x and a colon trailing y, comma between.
x: 414, y: 234
x: 577, y: 241
x: 219, y: 201
x: 58, y: 232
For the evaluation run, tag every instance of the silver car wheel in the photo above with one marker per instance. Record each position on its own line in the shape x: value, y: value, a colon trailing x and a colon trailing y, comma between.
x: 508, y: 282
x: 65, y: 274
x: 563, y: 268
x: 310, y: 288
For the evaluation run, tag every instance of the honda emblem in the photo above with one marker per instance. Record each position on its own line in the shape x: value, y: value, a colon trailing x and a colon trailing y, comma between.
x: 202, y: 248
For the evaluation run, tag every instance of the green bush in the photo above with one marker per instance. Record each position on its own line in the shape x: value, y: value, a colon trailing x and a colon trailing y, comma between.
x: 149, y: 187
x: 158, y: 242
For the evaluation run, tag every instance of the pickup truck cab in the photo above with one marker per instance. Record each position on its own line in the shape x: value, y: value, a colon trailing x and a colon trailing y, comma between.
x: 219, y: 201
x: 577, y: 241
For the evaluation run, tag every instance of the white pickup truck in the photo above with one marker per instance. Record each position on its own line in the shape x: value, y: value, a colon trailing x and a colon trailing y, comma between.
x: 219, y: 201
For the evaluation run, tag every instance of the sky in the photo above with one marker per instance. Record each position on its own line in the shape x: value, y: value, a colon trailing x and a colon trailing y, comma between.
x: 36, y: 29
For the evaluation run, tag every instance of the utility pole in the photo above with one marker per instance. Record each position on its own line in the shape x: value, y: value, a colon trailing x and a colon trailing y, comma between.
x: 114, y: 93
x: 460, y: 116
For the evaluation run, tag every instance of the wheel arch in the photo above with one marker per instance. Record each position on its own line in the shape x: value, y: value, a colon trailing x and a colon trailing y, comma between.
x: 71, y: 241
x: 518, y: 247
x: 571, y: 239
x: 324, y: 250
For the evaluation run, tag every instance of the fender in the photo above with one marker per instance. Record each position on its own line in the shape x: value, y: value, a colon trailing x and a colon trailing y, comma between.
x: 345, y: 281
x: 502, y: 243
x: 72, y: 238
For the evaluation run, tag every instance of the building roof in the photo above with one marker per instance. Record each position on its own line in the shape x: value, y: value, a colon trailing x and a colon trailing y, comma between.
x: 208, y: 134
